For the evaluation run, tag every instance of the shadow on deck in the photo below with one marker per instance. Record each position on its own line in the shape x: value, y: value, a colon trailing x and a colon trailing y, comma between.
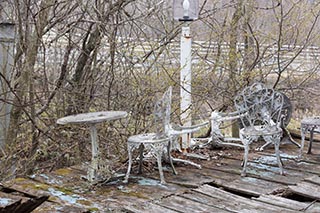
x: 217, y: 187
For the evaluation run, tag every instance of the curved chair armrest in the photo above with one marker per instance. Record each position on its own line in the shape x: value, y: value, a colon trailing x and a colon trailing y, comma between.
x: 196, y: 126
x: 220, y: 117
x: 224, y: 114
x: 179, y: 130
x: 281, y: 123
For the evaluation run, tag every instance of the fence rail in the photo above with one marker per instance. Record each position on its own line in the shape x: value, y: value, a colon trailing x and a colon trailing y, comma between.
x: 134, y: 52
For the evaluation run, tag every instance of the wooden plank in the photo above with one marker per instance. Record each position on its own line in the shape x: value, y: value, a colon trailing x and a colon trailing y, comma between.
x: 271, y: 173
x: 219, y: 202
x: 64, y: 197
x: 253, y: 186
x: 215, y: 174
x: 55, y: 207
x: 265, y: 171
x: 234, y: 170
x: 307, y: 189
x: 9, y: 199
x: 68, y: 177
x: 201, y: 176
x: 282, y: 202
x: 181, y: 204
x: 313, y: 179
x: 314, y: 208
x: 18, y: 202
x: 292, y: 166
x: 142, y: 187
x: 311, y: 158
x: 259, y: 165
x: 147, y: 207
x: 303, y: 166
x: 259, y: 170
x: 237, y: 203
x: 187, y: 176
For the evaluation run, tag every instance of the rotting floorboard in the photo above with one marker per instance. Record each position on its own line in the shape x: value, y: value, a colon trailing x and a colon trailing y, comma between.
x: 217, y: 187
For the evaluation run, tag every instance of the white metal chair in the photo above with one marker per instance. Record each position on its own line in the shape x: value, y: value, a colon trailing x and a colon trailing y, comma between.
x: 161, y: 141
x: 156, y: 141
x: 263, y: 117
x: 174, y: 131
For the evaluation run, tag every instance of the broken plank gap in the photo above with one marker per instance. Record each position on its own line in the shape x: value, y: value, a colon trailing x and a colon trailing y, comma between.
x: 232, y: 190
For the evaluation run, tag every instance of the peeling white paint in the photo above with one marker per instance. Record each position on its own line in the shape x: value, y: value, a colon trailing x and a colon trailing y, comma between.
x: 5, y: 201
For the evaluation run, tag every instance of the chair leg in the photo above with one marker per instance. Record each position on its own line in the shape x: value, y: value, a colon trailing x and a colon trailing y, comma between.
x: 263, y: 146
x: 141, y: 148
x: 246, y: 153
x: 246, y: 141
x: 158, y: 149
x: 303, y: 136
x: 160, y: 170
x: 310, y: 141
x: 170, y: 157
x: 276, y: 140
x: 130, y: 149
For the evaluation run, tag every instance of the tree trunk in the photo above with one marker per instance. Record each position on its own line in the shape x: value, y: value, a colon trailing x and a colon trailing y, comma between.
x: 24, y: 87
x: 233, y: 65
x: 83, y: 68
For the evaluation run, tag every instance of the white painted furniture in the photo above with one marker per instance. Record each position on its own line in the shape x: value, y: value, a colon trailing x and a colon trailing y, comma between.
x: 161, y: 141
x: 156, y: 141
x: 91, y: 119
x: 262, y: 118
x: 261, y: 112
x: 311, y: 125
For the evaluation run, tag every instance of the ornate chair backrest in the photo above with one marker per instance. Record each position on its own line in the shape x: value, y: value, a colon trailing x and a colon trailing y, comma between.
x: 162, y: 112
x: 262, y: 106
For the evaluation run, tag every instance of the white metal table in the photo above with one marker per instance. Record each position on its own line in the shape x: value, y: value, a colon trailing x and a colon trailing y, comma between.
x: 93, y: 118
x: 311, y: 124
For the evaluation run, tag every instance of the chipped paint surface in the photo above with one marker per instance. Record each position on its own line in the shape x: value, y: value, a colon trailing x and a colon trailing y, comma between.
x: 51, y: 180
x: 150, y: 182
x: 261, y: 166
x: 5, y: 201
x: 73, y: 199
x: 267, y: 159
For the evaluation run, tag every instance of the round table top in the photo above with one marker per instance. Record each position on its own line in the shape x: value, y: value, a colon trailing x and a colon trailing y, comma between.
x: 311, y: 121
x: 92, y: 117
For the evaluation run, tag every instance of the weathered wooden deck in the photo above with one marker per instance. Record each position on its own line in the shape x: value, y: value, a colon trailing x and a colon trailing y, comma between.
x: 217, y: 187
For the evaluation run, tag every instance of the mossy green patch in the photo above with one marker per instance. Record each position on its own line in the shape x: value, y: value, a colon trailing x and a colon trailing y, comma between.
x: 20, y: 179
x: 66, y: 191
x: 63, y: 171
x: 137, y: 194
x: 35, y: 186
x: 93, y: 209
x: 104, y: 191
x: 41, y: 186
x: 85, y: 202
x: 53, y: 199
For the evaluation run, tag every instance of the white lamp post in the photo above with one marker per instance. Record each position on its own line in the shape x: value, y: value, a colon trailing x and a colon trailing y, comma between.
x: 185, y: 11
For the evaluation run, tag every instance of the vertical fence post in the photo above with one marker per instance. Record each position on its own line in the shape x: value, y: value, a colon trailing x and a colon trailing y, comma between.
x: 7, y: 36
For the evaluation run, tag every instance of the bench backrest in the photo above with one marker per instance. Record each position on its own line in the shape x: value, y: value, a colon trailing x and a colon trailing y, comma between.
x: 162, y: 111
x: 262, y: 106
